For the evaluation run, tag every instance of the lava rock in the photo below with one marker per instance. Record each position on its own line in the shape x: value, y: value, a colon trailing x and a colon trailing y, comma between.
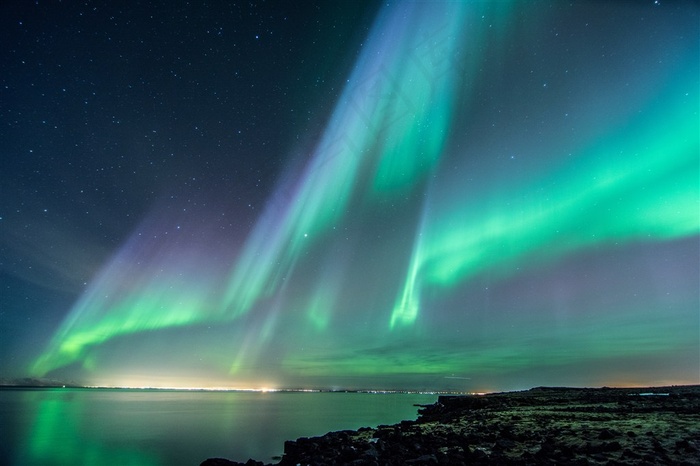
x: 534, y: 427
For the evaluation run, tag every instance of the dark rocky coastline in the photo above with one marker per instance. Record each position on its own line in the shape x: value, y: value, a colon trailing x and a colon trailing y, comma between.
x: 567, y: 426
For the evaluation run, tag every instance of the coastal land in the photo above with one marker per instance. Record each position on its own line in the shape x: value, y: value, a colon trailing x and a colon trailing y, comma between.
x: 544, y: 425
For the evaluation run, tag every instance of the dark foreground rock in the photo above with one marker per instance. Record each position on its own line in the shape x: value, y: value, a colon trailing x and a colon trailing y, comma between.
x: 563, y: 426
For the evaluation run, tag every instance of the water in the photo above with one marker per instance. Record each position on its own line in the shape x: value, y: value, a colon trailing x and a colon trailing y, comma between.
x: 142, y: 427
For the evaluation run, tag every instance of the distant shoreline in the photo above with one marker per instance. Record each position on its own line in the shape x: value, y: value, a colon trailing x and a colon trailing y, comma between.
x: 4, y: 386
x: 239, y: 390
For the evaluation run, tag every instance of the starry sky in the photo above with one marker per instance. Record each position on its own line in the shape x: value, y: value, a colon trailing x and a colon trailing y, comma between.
x: 397, y: 195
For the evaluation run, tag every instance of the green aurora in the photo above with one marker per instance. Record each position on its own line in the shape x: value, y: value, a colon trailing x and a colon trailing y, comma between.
x: 369, y: 262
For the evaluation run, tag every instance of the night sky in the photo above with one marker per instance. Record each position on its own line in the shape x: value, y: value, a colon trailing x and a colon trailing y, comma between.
x: 414, y: 195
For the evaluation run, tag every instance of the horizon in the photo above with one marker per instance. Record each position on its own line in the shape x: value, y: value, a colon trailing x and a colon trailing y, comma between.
x: 45, y: 383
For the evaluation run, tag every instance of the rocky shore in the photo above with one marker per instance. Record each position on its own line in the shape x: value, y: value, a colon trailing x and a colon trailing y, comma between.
x: 564, y: 426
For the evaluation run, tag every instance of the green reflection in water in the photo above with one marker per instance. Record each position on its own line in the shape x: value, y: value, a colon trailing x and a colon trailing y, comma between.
x: 63, y: 433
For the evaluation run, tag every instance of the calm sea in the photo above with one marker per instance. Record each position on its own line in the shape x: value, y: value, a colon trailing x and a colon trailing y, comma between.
x: 141, y: 427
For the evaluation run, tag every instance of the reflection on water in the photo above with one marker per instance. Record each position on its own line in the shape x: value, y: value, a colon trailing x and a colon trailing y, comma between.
x: 141, y: 427
x: 64, y: 431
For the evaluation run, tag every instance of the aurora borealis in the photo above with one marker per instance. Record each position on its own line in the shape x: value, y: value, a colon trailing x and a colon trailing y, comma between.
x: 418, y: 195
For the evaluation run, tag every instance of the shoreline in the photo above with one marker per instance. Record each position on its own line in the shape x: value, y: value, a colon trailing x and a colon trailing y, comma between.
x: 543, y: 425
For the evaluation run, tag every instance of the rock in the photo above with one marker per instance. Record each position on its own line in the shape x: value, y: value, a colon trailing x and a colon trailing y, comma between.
x: 503, y: 444
x: 538, y: 426
x: 611, y: 446
x: 607, y: 434
x: 225, y: 462
x: 425, y: 459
